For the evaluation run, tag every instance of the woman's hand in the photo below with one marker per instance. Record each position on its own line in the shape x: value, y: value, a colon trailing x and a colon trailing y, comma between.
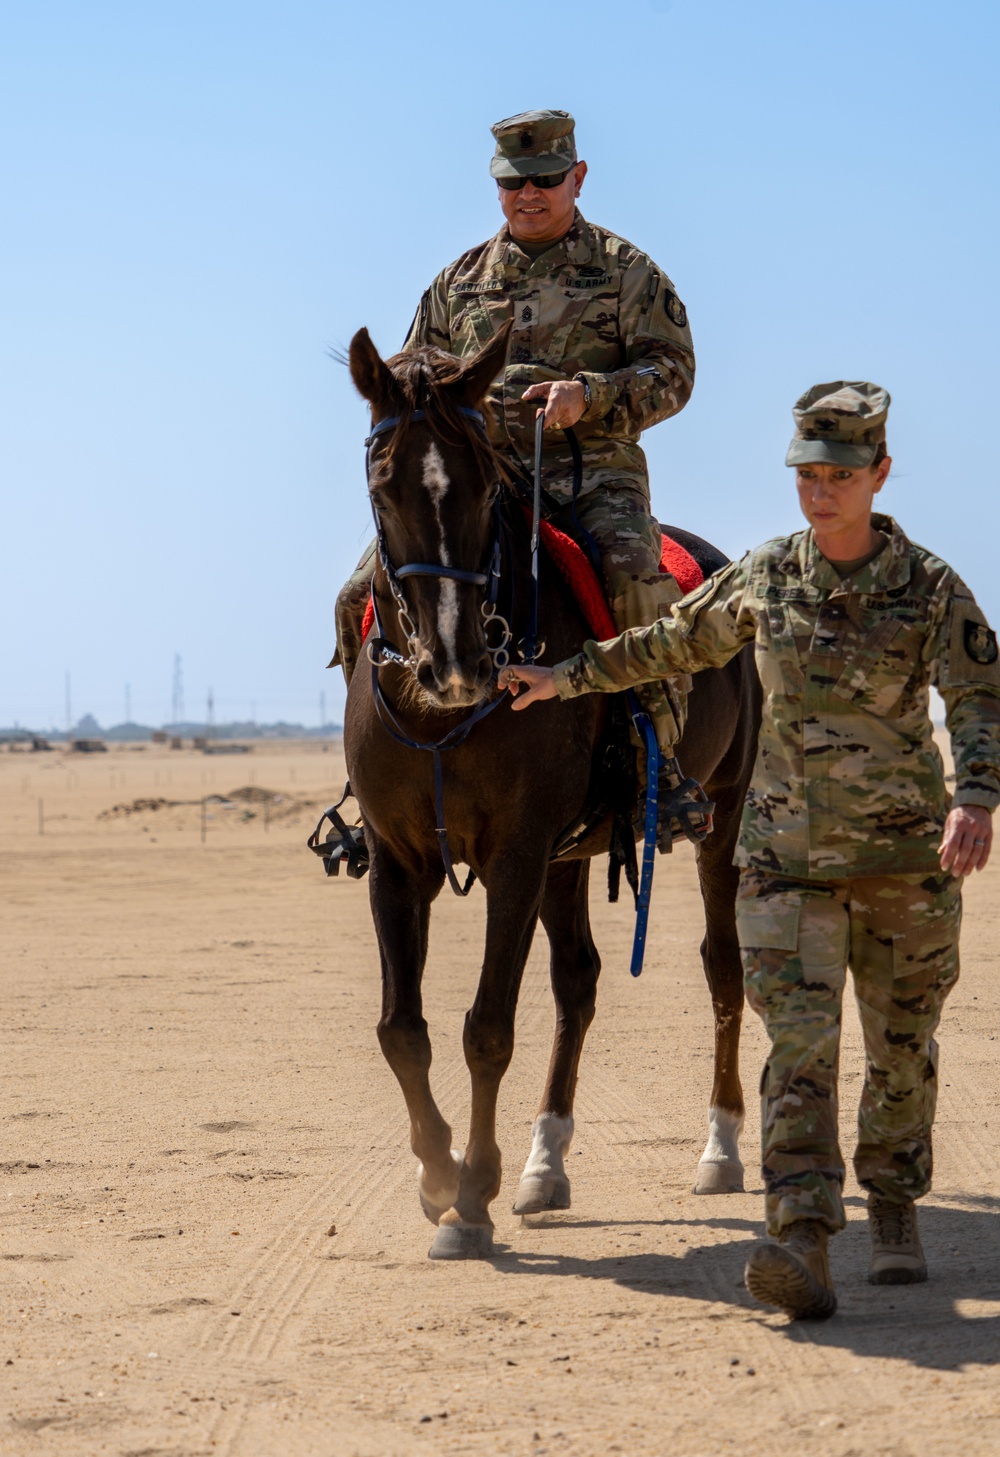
x: 538, y: 682
x: 968, y: 836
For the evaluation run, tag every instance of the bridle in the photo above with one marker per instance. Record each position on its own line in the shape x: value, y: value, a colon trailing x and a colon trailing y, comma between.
x: 380, y: 650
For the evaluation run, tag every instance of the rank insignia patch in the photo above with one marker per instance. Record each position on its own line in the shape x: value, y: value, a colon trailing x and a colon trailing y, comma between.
x: 676, y: 310
x: 980, y: 642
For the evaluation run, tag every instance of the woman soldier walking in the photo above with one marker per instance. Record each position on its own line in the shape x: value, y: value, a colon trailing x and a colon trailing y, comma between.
x: 850, y: 852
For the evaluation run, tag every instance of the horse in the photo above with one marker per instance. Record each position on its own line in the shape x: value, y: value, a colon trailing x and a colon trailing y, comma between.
x: 502, y: 788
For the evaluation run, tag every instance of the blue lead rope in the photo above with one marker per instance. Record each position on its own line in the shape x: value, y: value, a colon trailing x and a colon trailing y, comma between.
x: 645, y: 731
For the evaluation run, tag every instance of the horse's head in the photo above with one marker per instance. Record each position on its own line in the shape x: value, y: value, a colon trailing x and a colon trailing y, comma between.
x: 433, y: 481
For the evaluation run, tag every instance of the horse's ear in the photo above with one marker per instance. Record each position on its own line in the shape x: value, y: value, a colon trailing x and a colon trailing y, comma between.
x: 483, y: 368
x: 369, y: 371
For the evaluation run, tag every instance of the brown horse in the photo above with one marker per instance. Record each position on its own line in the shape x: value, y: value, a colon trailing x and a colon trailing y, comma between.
x: 508, y: 789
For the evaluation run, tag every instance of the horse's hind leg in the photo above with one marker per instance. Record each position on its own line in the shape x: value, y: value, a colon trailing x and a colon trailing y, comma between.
x: 574, y: 969
x: 401, y: 911
x: 720, y: 1169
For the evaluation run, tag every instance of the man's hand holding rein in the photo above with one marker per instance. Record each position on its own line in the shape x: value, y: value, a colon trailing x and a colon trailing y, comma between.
x: 564, y: 401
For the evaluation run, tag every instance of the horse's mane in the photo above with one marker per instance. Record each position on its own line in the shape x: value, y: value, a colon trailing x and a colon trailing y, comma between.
x: 423, y: 378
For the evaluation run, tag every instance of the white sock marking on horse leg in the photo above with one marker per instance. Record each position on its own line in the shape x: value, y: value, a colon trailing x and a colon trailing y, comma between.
x: 437, y: 483
x: 550, y: 1140
x: 724, y: 1131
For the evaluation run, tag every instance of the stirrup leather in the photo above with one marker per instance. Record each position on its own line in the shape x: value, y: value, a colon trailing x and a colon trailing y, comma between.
x: 344, y: 845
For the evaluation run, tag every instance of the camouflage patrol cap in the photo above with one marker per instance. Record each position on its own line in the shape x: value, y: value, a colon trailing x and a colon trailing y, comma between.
x: 533, y: 144
x: 842, y: 423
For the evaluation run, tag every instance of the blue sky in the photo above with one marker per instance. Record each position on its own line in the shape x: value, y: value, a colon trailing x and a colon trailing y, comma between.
x: 201, y: 200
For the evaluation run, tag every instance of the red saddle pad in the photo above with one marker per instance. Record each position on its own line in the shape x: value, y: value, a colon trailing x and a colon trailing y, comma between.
x: 574, y: 566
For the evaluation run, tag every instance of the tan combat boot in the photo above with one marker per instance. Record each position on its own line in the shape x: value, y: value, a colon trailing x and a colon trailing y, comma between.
x: 793, y: 1272
x: 897, y: 1258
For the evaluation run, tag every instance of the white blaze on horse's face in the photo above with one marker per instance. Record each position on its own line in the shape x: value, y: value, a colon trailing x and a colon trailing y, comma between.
x: 436, y: 481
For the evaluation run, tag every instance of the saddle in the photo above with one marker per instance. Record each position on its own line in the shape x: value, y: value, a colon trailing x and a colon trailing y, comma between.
x: 577, y: 571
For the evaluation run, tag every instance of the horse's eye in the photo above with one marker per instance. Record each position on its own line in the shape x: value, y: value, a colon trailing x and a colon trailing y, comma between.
x: 379, y: 502
x: 494, y: 492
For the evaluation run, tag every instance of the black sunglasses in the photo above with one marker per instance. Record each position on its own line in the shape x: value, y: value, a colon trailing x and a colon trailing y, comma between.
x: 549, y: 179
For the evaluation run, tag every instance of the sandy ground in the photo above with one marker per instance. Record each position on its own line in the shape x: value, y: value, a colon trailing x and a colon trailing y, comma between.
x: 211, y: 1241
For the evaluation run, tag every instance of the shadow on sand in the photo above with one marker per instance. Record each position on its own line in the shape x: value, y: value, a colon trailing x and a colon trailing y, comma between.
x: 921, y: 1324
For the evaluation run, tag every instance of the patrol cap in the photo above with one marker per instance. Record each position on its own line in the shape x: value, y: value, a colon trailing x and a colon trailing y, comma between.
x: 842, y: 423
x: 533, y: 144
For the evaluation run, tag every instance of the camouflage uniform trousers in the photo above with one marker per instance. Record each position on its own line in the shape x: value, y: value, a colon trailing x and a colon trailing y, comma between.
x: 618, y: 518
x: 899, y: 935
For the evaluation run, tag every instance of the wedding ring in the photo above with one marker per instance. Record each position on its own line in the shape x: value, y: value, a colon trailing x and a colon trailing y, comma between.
x: 979, y: 842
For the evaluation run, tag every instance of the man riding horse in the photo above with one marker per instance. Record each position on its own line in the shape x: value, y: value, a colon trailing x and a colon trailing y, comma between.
x: 601, y: 342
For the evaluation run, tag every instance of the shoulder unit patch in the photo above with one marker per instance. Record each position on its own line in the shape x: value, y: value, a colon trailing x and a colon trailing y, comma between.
x: 675, y: 310
x: 980, y: 642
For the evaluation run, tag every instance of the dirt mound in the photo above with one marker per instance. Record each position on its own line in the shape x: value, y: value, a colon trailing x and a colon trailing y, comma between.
x: 255, y: 794
x: 138, y: 806
x: 249, y: 804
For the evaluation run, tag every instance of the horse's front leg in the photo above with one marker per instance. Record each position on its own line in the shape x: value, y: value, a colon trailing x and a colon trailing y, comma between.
x: 513, y: 891
x: 574, y: 968
x: 400, y: 905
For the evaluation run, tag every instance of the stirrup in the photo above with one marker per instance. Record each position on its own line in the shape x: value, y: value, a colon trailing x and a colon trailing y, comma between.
x: 684, y: 810
x: 344, y: 845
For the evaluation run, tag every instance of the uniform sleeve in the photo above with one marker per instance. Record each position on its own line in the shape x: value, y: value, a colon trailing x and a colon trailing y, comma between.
x: 966, y: 672
x: 704, y: 630
x: 431, y: 324
x: 658, y: 376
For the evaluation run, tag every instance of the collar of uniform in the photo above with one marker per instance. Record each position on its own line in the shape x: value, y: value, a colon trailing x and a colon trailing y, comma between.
x: 891, y: 568
x: 508, y: 260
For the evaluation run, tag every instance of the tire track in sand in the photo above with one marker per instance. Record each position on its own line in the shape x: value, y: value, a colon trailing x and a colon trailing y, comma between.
x: 281, y: 1275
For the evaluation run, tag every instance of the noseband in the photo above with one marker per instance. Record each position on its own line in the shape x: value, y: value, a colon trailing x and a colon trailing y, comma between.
x: 379, y: 650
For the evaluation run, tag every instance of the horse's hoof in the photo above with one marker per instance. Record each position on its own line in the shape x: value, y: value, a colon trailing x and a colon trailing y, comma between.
x: 462, y: 1241
x: 719, y: 1178
x: 539, y: 1192
x: 434, y: 1202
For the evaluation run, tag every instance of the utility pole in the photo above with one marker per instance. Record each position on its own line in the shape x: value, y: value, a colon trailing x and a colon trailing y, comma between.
x: 178, y: 693
x: 210, y: 716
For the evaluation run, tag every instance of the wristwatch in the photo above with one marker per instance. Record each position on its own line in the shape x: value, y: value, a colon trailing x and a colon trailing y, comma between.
x: 586, y: 391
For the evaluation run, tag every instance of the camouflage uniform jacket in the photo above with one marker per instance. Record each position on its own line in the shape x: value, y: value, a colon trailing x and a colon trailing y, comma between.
x: 847, y: 780
x: 592, y: 305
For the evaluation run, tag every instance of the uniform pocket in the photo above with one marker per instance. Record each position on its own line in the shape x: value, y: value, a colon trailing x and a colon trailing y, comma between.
x: 770, y: 923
